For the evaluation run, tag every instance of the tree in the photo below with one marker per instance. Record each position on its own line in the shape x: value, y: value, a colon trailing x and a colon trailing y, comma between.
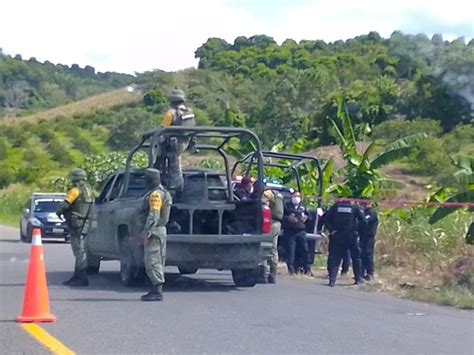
x: 362, y: 179
x: 462, y: 192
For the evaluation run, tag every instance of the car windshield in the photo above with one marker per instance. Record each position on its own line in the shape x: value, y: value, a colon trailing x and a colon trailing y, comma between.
x: 46, y: 205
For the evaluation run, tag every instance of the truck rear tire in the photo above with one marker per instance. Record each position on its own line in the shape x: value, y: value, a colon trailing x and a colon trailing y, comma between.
x: 245, y: 277
x: 129, y: 271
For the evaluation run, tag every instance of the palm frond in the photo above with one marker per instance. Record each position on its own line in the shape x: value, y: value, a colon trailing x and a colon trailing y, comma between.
x: 441, y: 212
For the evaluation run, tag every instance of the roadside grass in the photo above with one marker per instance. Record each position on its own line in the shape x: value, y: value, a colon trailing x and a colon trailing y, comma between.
x: 12, y: 200
x: 105, y: 101
x: 419, y: 261
x: 10, y: 220
x: 446, y: 295
x: 423, y: 262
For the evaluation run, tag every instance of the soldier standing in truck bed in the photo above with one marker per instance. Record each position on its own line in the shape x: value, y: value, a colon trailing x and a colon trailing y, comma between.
x: 177, y: 115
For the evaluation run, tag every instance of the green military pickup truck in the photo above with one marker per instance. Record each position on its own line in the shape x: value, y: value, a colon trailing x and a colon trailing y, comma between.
x: 208, y: 228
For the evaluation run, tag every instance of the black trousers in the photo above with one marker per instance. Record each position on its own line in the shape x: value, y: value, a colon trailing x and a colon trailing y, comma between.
x: 297, y: 242
x: 346, y: 262
x: 367, y: 246
x: 339, y: 244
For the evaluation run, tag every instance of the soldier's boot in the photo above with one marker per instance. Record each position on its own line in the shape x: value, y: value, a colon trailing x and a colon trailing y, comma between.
x: 272, y: 275
x: 291, y: 269
x: 72, y: 279
x: 82, y: 280
x: 331, y: 283
x: 155, y: 293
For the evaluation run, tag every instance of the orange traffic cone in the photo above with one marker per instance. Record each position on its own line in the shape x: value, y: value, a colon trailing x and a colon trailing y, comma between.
x: 36, y: 302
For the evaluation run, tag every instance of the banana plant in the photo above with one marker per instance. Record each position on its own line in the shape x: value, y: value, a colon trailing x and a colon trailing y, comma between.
x: 462, y: 192
x: 362, y: 179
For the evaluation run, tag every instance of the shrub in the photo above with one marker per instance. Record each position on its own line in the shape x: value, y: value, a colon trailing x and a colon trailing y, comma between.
x: 395, y: 129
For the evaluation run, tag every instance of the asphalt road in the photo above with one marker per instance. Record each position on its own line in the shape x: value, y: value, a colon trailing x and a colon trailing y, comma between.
x: 207, y: 314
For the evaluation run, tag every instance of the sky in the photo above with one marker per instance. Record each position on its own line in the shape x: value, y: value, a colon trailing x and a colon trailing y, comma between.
x: 141, y: 35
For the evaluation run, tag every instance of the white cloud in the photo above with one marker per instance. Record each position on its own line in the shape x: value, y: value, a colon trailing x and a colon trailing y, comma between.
x: 141, y: 35
x: 120, y: 35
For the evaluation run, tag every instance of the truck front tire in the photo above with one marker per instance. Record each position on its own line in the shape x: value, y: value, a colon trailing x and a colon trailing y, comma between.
x: 130, y: 273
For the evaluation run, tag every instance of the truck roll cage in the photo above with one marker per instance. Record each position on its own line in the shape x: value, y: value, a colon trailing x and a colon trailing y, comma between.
x: 296, y: 161
x: 202, y: 138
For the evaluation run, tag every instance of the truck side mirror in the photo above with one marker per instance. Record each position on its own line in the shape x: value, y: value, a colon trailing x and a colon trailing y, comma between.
x: 26, y: 211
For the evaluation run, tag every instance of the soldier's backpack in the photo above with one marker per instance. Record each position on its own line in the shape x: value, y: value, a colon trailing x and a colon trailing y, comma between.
x: 185, y: 116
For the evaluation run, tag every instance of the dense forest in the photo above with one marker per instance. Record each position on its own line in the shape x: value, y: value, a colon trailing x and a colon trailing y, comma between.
x: 287, y: 93
x: 30, y: 85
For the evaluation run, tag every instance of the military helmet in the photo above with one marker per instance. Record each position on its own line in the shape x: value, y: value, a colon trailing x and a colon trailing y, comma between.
x: 176, y: 96
x: 152, y: 177
x: 78, y: 174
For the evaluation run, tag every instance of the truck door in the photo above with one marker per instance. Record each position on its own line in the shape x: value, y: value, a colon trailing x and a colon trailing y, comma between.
x: 98, y: 235
x: 110, y: 212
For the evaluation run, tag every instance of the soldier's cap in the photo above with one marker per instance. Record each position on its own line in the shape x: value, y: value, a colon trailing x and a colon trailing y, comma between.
x: 151, y: 172
x: 78, y: 173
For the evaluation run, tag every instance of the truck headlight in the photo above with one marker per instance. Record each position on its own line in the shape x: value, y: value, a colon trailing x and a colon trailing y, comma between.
x: 35, y: 222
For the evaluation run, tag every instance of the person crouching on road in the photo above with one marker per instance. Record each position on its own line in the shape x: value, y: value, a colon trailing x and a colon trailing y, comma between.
x: 76, y: 210
x: 343, y: 221
x: 295, y: 233
x: 367, y: 240
x: 155, y: 214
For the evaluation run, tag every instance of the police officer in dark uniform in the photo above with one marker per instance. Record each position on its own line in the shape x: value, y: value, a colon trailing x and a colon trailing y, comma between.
x: 367, y: 240
x: 343, y: 221
x: 76, y: 210
x: 294, y: 226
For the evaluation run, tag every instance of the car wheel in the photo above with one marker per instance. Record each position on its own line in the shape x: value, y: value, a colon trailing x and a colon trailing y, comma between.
x: 130, y: 274
x: 93, y: 264
x: 29, y: 234
x: 22, y: 236
x: 187, y: 270
x: 245, y: 277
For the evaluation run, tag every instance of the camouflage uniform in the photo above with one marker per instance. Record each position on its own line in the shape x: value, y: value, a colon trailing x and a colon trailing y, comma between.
x: 76, y: 208
x: 177, y: 115
x: 155, y: 213
x: 275, y: 202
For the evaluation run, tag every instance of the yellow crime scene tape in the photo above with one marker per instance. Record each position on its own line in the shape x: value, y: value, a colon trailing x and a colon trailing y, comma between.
x: 47, y: 340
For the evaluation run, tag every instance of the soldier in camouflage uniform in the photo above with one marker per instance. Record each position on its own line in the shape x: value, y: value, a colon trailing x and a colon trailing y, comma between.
x: 76, y: 209
x: 275, y: 202
x: 177, y: 115
x: 155, y: 213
